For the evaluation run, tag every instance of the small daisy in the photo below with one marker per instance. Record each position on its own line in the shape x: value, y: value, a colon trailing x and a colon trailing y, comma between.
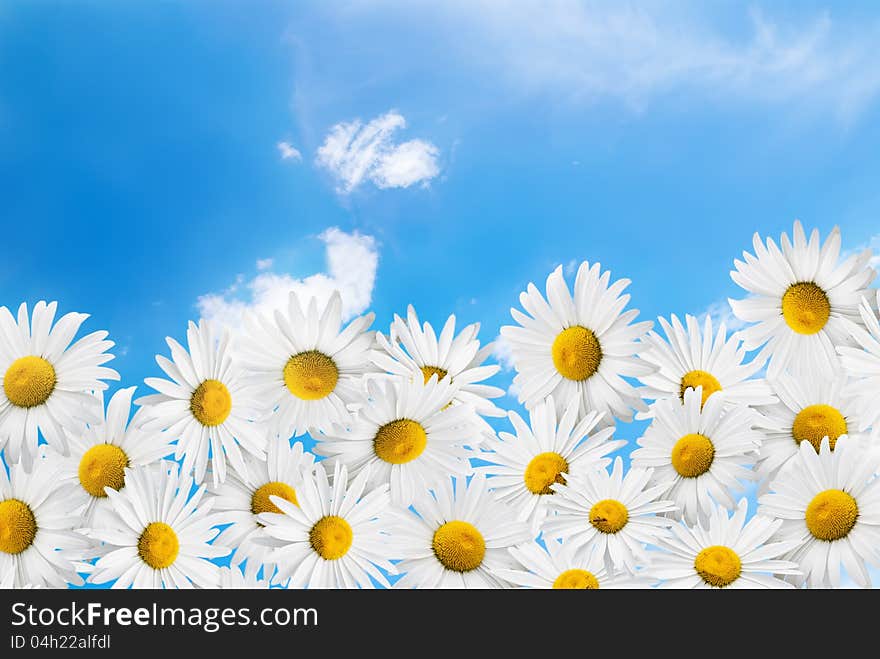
x: 306, y: 365
x: 231, y: 578
x: 205, y: 405
x: 159, y: 536
x: 581, y: 345
x: 699, y: 451
x: 612, y: 514
x: 406, y: 434
x: 457, y: 538
x: 830, y: 506
x: 335, y: 537
x: 688, y: 359
x: 728, y: 553
x: 242, y: 497
x: 46, y: 379
x: 863, y: 365
x: 800, y: 297
x: 525, y: 465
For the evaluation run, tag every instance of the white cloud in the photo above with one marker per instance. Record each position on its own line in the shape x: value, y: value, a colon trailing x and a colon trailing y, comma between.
x: 502, y: 351
x: 355, y: 152
x: 352, y: 260
x: 720, y: 311
x: 264, y: 264
x: 288, y: 151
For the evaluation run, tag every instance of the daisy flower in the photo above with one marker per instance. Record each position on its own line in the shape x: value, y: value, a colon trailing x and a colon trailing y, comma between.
x: 699, y: 452
x: 305, y: 365
x: 612, y: 514
x: 727, y: 553
x: 542, y: 452
x: 205, y: 405
x: 406, y: 434
x: 457, y: 538
x: 800, y: 297
x: 863, y: 365
x: 46, y: 380
x: 335, y: 537
x: 232, y: 578
x: 830, y: 506
x: 578, y: 346
x: 159, y: 536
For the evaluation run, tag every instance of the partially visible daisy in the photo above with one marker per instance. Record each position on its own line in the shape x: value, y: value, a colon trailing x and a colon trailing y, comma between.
x: 688, y: 359
x: 800, y: 297
x: 727, y: 553
x: 232, y: 578
x: 46, y: 380
x: 580, y: 345
x: 863, y: 365
x: 406, y: 434
x: 159, y: 536
x: 305, y: 364
x: 244, y: 496
x: 457, y: 538
x: 334, y: 537
x: 830, y: 506
x: 205, y: 405
x: 700, y: 452
x: 610, y: 513
x: 542, y: 452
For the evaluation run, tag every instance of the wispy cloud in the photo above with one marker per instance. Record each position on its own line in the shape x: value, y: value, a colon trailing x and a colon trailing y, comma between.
x: 288, y: 151
x: 720, y: 311
x: 264, y: 264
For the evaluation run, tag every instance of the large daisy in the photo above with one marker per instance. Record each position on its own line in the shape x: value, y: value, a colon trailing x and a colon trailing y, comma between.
x: 581, y: 345
x: 700, y: 452
x: 457, y: 537
x: 542, y: 452
x: 335, y: 536
x: 306, y: 365
x: 830, y: 504
x: 727, y: 553
x: 406, y: 434
x: 46, y: 380
x: 862, y: 364
x: 800, y: 297
x: 159, y: 536
x: 611, y: 513
x: 205, y: 405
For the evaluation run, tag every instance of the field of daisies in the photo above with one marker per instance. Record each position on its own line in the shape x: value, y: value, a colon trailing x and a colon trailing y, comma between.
x: 411, y: 484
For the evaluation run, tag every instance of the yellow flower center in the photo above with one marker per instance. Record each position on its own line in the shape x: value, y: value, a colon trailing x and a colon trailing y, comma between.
x: 102, y: 466
x: 718, y: 565
x: 158, y: 545
x: 831, y: 515
x: 211, y: 403
x: 260, y: 502
x: 400, y: 441
x: 459, y: 546
x: 576, y: 580
x: 428, y: 371
x: 331, y: 537
x: 805, y: 307
x: 609, y: 516
x: 576, y: 353
x: 694, y: 379
x: 544, y: 470
x: 311, y: 375
x: 692, y: 455
x: 29, y: 381
x: 18, y: 526
x: 815, y: 422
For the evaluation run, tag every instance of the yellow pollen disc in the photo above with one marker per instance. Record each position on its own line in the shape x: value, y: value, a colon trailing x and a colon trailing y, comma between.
x: 400, y: 441
x: 815, y: 422
x: 694, y: 379
x: 311, y: 375
x: 459, y: 546
x: 609, y: 516
x: 102, y: 465
x: 260, y: 502
x: 428, y: 371
x: 331, y: 537
x: 29, y: 381
x: 158, y: 545
x: 692, y: 455
x: 544, y: 470
x: 805, y: 307
x: 211, y: 403
x: 576, y: 580
x: 718, y: 565
x: 831, y: 515
x: 576, y: 353
x: 18, y: 526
